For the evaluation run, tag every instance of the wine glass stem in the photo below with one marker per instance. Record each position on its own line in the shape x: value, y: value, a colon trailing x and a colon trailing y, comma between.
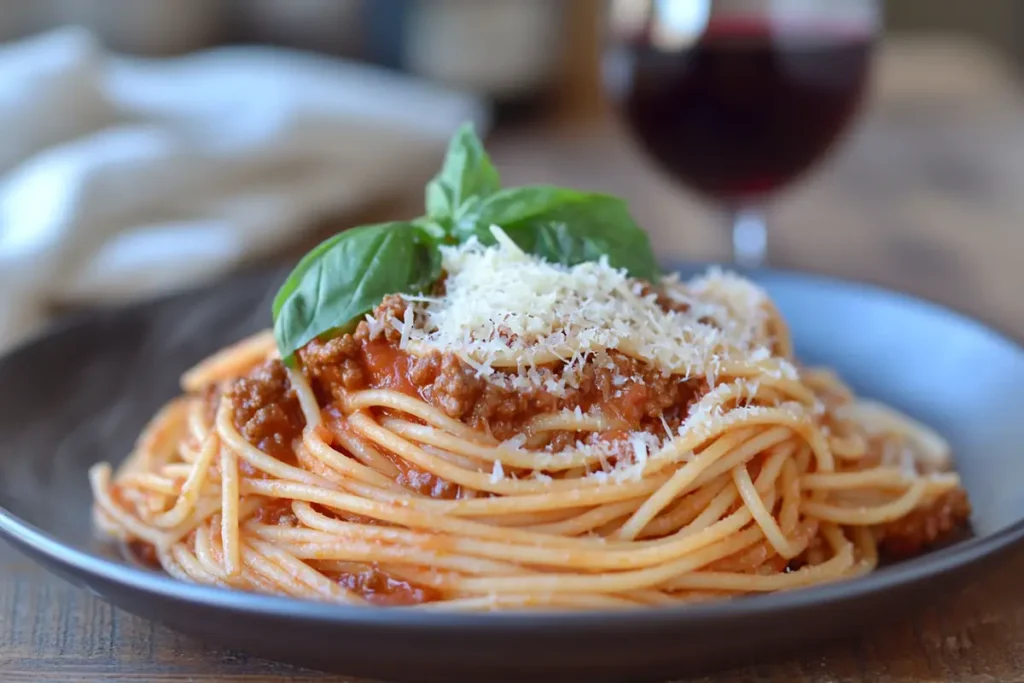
x: 749, y: 237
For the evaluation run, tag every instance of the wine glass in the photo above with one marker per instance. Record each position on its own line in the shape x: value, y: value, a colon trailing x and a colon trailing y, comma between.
x: 737, y: 98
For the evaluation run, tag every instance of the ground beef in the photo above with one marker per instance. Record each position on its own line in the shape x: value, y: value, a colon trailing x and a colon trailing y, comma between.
x: 338, y: 363
x: 646, y: 400
x: 454, y: 387
x: 424, y: 370
x: 267, y: 412
x: 392, y: 307
x: 334, y: 364
x: 449, y: 383
x: 925, y: 527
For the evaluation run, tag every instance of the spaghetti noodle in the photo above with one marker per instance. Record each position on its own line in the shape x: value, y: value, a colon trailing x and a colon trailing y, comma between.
x: 530, y: 435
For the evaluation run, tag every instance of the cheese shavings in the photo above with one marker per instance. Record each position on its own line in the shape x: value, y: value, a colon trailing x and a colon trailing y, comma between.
x: 507, y: 310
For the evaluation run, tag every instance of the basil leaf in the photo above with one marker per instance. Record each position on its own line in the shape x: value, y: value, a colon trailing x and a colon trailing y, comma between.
x: 292, y: 283
x: 345, y: 277
x: 432, y: 228
x: 563, y: 226
x: 467, y: 172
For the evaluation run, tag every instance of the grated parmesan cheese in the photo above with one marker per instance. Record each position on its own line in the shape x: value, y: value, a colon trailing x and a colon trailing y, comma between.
x: 407, y: 325
x: 374, y: 326
x: 508, y: 310
x: 523, y: 323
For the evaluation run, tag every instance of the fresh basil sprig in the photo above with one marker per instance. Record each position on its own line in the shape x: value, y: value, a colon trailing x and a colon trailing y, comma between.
x: 563, y: 226
x: 467, y: 172
x: 345, y: 278
x: 348, y: 275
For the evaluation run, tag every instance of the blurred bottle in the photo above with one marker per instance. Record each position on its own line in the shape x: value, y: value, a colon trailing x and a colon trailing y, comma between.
x: 329, y: 26
x: 507, y: 51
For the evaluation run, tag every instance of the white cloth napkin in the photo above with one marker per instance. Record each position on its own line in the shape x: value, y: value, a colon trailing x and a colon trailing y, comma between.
x: 124, y: 177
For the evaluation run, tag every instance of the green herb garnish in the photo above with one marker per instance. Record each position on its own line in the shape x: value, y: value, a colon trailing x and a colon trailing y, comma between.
x: 347, y: 275
x: 344, y: 278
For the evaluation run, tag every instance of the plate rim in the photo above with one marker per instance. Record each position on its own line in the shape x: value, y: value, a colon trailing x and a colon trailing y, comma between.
x: 25, y: 536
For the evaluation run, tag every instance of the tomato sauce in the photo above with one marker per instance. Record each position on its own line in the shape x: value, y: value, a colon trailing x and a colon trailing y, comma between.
x: 627, y: 405
x: 384, y: 590
x: 387, y: 366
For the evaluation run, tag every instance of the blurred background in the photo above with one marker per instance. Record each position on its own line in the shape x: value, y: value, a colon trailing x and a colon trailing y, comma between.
x: 527, y: 52
x: 516, y: 50
x: 537, y: 54
x: 152, y: 146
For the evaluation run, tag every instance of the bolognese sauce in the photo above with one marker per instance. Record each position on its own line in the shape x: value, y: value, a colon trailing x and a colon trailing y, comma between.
x: 267, y: 412
x: 268, y: 415
x: 925, y: 527
x: 634, y: 394
x: 386, y: 497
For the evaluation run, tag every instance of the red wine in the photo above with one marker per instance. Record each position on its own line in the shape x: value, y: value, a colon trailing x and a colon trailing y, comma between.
x: 746, y: 108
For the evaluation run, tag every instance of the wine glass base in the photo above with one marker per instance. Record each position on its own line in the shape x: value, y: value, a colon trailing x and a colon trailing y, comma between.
x: 749, y: 238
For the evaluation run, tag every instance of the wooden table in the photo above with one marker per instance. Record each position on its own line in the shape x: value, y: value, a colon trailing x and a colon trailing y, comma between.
x: 927, y: 196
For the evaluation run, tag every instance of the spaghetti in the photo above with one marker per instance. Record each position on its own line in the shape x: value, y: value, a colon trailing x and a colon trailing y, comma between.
x: 530, y: 435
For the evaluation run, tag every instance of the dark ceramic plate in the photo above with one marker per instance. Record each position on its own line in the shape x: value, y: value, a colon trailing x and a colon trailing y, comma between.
x: 82, y: 392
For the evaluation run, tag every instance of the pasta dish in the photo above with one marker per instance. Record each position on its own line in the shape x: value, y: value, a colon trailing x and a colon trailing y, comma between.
x: 510, y: 426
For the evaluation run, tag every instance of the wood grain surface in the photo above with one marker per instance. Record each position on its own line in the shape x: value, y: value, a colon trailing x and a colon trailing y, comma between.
x: 926, y: 195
